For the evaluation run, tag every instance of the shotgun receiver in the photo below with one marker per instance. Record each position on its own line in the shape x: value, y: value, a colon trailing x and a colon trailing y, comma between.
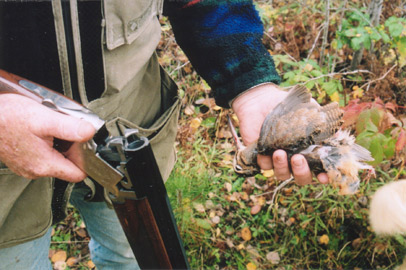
x: 125, y: 166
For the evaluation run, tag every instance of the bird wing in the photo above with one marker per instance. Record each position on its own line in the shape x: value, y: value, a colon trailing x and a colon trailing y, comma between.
x: 278, y: 129
x: 297, y: 122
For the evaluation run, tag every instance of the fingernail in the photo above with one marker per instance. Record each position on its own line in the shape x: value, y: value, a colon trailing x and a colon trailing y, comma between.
x: 278, y: 159
x: 297, y: 162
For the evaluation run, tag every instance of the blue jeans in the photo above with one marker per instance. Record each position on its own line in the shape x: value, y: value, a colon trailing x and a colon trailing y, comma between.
x: 109, y: 248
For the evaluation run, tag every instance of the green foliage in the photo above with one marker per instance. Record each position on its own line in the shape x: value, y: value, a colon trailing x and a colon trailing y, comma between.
x: 314, y: 77
x: 379, y: 142
x: 396, y: 28
x: 357, y: 32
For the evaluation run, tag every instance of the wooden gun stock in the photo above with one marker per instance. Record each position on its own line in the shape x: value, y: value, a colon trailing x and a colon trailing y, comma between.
x: 143, y: 230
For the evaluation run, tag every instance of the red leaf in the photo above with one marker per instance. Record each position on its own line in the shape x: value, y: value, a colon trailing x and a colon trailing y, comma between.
x: 400, y: 143
x: 352, y: 111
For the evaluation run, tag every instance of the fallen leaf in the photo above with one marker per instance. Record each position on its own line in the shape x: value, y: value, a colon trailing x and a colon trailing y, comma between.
x: 59, y: 256
x: 229, y: 243
x: 246, y: 234
x: 81, y: 232
x: 60, y: 265
x: 51, y: 253
x: 273, y: 257
x: 195, y: 123
x: 240, y: 247
x: 71, y: 261
x: 268, y: 173
x: 244, y: 196
x: 215, y: 220
x: 356, y: 243
x: 324, y: 239
x: 251, y: 266
x: 224, y: 133
x: 401, y: 141
x: 290, y: 221
x: 255, y: 209
x: 199, y: 207
x: 209, y: 204
x: 91, y: 265
x: 190, y: 110
x: 228, y: 187
x: 253, y: 252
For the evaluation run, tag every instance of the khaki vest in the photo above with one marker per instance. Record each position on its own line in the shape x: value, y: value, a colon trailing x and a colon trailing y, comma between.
x: 138, y: 94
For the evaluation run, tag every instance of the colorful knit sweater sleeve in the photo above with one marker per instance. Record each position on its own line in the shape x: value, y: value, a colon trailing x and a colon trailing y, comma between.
x: 223, y: 40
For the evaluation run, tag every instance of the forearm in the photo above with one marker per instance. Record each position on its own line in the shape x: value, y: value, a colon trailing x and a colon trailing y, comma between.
x: 223, y: 40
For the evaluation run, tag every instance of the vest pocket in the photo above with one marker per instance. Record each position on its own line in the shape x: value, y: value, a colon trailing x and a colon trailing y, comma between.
x: 125, y: 20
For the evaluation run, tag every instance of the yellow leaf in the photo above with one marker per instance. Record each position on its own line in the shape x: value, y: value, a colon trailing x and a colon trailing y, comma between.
x: 251, y: 266
x: 261, y: 200
x: 246, y: 234
x: 91, y: 265
x: 195, y: 123
x: 59, y: 256
x: 357, y: 93
x: 324, y: 239
x: 335, y: 97
x: 267, y: 173
x: 71, y: 261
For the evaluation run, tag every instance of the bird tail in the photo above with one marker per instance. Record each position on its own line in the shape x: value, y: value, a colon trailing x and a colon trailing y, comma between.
x: 388, y: 209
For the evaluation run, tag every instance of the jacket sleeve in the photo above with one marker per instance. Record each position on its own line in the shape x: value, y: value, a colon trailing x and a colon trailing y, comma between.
x: 223, y: 41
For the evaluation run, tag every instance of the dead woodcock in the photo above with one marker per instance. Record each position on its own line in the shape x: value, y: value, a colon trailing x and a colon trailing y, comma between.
x: 299, y: 125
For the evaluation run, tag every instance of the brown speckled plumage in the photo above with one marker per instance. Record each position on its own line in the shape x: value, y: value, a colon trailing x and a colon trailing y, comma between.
x: 297, y: 123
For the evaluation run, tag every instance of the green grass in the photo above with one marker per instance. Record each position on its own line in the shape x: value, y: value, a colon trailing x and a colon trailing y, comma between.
x: 292, y: 226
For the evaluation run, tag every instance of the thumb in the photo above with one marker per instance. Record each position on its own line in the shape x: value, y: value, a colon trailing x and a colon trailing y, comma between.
x: 65, y: 127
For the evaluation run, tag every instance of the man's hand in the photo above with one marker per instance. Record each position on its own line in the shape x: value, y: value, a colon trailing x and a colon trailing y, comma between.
x: 251, y: 109
x: 27, y: 131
